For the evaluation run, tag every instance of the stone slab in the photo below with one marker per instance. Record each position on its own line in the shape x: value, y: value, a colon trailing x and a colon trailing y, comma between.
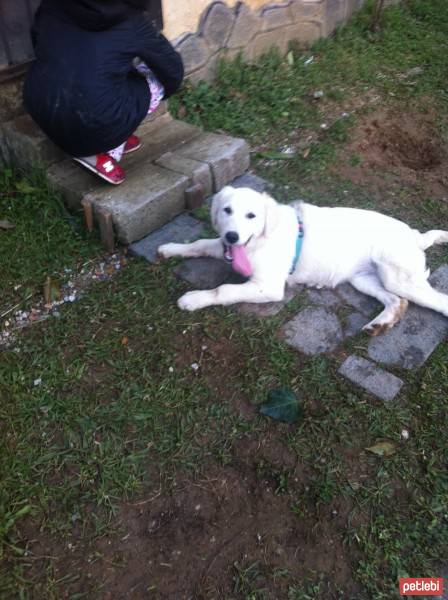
x: 323, y: 297
x: 197, y: 172
x: 251, y: 181
x: 144, y: 204
x: 371, y: 378
x: 313, y: 331
x: 354, y: 323
x: 266, y: 309
x: 180, y: 230
x: 206, y: 273
x: 412, y: 341
x: 363, y: 304
x: 227, y: 156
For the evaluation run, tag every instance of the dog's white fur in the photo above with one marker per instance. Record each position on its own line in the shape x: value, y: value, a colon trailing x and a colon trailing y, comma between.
x: 380, y: 256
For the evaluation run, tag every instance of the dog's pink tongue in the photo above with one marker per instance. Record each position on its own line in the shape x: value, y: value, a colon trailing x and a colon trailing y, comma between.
x: 240, y: 262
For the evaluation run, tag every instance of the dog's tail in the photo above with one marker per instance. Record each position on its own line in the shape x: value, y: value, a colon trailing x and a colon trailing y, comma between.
x: 428, y: 239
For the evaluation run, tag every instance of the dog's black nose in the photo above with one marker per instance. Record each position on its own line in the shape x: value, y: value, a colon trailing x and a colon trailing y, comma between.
x: 232, y: 237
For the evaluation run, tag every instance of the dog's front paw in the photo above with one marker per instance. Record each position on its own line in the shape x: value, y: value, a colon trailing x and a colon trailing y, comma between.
x: 167, y: 250
x: 194, y: 300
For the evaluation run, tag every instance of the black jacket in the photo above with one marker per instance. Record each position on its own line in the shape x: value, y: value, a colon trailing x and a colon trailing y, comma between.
x: 82, y: 89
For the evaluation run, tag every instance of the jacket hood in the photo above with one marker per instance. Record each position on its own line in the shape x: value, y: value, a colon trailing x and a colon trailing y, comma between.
x: 94, y: 15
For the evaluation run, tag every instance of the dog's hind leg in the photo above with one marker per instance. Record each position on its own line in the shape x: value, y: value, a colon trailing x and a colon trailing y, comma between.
x: 394, y: 306
x: 412, y: 286
x: 206, y: 247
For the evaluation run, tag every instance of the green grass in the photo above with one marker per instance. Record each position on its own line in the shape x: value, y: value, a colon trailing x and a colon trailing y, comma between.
x: 120, y: 413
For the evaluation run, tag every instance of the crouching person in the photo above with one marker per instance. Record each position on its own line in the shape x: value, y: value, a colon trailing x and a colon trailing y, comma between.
x: 100, y: 68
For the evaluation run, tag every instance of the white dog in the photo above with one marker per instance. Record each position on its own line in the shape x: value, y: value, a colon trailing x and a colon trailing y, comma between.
x: 380, y: 256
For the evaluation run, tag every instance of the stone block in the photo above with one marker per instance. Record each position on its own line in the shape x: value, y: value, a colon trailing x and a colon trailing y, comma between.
x: 196, y: 171
x: 144, y: 204
x: 265, y: 309
x: 363, y: 304
x: 158, y: 138
x: 277, y: 16
x: 181, y: 230
x: 194, y: 51
x: 216, y: 25
x: 24, y: 143
x: 362, y: 372
x: 323, y: 297
x: 226, y: 156
x: 246, y: 26
x: 354, y: 324
x: 251, y: 181
x: 313, y: 331
x: 416, y: 336
x: 206, y: 273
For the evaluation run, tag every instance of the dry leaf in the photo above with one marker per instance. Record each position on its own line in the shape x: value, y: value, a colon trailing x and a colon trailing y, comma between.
x: 383, y: 448
x: 124, y: 341
x: 306, y: 152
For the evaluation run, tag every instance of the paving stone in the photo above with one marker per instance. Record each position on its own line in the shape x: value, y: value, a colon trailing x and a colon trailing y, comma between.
x: 364, y: 304
x: 266, y: 309
x: 416, y: 336
x: 313, y: 331
x: 144, y: 204
x: 251, y: 181
x: 194, y: 52
x: 367, y: 375
x: 216, y: 25
x: 246, y: 26
x: 206, y: 273
x: 197, y: 172
x: 323, y: 297
x: 227, y: 156
x: 354, y: 323
x: 182, y: 229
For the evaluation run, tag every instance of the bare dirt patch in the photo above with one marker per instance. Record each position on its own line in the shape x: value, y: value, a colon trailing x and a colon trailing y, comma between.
x: 404, y: 148
x: 223, y: 534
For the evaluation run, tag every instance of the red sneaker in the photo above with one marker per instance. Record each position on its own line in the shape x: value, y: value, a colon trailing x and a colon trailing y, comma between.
x: 106, y: 167
x: 133, y: 143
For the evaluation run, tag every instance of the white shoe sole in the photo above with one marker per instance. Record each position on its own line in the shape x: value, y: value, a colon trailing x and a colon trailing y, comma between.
x: 95, y: 170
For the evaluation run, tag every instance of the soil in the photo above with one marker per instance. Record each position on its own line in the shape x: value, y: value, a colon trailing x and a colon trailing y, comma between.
x: 220, y: 535
x: 405, y: 148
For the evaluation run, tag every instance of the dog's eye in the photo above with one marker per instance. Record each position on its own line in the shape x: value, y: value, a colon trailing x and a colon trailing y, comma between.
x: 250, y: 216
x: 228, y: 210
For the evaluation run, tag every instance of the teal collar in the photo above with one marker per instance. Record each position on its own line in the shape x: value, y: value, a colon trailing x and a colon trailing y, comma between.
x: 299, y: 243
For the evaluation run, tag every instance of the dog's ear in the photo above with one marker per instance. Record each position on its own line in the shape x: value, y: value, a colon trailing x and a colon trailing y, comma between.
x: 216, y: 203
x: 271, y: 215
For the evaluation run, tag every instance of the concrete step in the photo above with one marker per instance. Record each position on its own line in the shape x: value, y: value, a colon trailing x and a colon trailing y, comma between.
x: 174, y: 157
x: 23, y: 143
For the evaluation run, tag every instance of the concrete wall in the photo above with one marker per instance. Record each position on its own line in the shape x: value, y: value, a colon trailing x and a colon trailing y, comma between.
x: 184, y: 17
